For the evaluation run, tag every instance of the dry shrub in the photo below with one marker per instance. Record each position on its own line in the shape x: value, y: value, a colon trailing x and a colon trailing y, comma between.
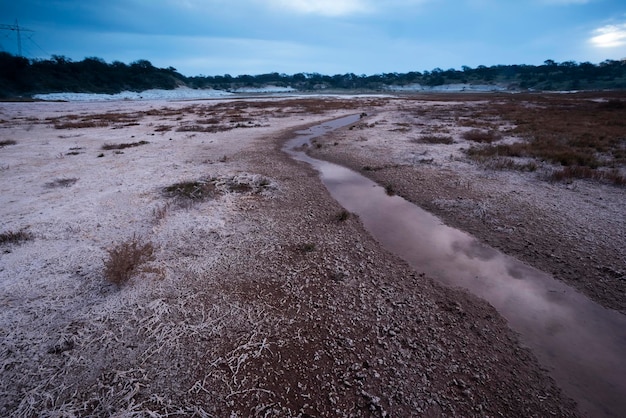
x: 80, y: 124
x: 434, y: 139
x: 160, y: 212
x: 567, y: 130
x: 478, y: 135
x: 95, y: 120
x: 192, y: 190
x: 343, y: 215
x: 108, y: 147
x: 64, y: 182
x: 306, y: 247
x: 579, y: 172
x: 203, y: 128
x: 5, y: 142
x: 12, y: 237
x: 125, y: 259
x: 389, y: 189
x: 503, y: 163
x: 541, y: 149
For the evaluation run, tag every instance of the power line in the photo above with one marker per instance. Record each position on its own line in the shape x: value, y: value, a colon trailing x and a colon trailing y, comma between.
x: 18, y: 29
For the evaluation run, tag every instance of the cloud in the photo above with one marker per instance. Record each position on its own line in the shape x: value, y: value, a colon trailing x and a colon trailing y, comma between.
x: 324, y: 7
x: 609, y: 36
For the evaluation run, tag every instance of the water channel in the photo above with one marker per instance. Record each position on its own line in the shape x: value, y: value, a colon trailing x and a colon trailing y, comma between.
x: 580, y: 343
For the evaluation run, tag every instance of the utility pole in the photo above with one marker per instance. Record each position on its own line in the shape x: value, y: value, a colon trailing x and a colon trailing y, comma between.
x: 18, y: 29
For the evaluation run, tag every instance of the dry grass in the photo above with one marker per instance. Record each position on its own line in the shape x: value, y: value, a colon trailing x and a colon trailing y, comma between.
x: 12, y: 237
x: 504, y: 163
x: 306, y: 247
x: 343, y: 215
x: 5, y: 142
x: 541, y: 150
x: 583, y: 135
x: 203, y: 128
x: 95, y: 120
x: 63, y: 182
x: 192, y: 190
x: 577, y: 172
x: 434, y: 139
x: 108, y: 147
x: 481, y: 136
x: 160, y: 212
x: 125, y: 259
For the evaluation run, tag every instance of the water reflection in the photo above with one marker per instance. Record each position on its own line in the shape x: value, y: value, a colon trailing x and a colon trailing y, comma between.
x: 582, y: 344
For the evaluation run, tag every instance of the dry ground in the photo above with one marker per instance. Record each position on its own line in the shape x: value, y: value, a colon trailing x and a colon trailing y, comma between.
x: 258, y: 298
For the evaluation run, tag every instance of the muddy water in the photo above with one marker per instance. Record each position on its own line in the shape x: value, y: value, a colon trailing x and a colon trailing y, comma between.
x: 580, y: 343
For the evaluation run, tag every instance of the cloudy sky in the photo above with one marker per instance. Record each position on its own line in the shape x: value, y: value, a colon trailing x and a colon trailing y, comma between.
x: 214, y: 37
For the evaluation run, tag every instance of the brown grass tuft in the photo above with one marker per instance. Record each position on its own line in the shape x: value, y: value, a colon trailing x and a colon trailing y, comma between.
x: 125, y: 259
x: 108, y: 147
x: 5, y: 142
x: 503, y: 163
x: 478, y: 135
x: 64, y: 182
x: 343, y: 215
x: 95, y: 120
x: 434, y: 139
x: 12, y: 237
x: 580, y: 172
x: 192, y: 190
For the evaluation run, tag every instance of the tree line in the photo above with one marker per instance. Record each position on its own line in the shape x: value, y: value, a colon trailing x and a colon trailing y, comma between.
x: 20, y: 76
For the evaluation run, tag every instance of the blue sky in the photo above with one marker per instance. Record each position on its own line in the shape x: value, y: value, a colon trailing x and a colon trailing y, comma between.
x: 211, y: 37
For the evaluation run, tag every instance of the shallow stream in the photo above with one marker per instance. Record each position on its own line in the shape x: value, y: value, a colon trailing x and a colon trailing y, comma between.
x: 580, y: 343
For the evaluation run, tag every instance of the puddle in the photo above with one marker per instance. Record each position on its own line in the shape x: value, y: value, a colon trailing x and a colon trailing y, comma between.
x: 580, y: 343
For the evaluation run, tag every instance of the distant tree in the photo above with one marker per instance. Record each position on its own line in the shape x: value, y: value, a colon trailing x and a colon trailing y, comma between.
x: 143, y: 64
x: 20, y: 76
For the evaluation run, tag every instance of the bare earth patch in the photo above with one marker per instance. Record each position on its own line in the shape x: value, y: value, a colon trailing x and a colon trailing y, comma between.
x: 260, y: 296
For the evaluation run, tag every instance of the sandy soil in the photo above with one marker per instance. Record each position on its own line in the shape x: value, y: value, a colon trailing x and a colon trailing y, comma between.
x: 259, y: 301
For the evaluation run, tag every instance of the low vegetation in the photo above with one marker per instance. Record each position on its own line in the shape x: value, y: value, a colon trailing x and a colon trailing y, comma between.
x: 14, y: 237
x: 63, y: 182
x: 583, y: 138
x: 504, y: 163
x: 192, y: 190
x: 108, y: 147
x: 307, y: 247
x: 97, y: 120
x: 481, y: 136
x: 125, y: 259
x: 5, y: 142
x: 577, y: 172
x: 434, y: 139
x: 343, y: 215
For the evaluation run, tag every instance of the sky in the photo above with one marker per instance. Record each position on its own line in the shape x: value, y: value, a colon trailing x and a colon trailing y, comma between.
x: 217, y: 37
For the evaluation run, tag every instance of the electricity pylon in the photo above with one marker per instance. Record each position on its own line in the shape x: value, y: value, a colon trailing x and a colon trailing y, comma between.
x: 18, y: 29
